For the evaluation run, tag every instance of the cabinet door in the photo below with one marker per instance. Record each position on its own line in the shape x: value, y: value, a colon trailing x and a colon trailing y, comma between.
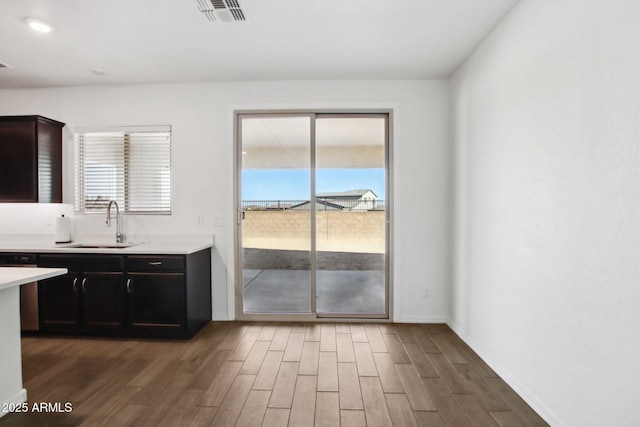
x: 102, y: 300
x: 156, y: 300
x: 59, y: 303
x: 18, y: 162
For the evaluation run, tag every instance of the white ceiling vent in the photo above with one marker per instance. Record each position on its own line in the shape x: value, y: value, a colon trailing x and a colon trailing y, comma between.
x: 221, y: 10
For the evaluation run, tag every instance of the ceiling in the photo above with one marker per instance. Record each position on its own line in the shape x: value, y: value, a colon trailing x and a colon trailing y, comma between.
x: 286, y: 132
x: 340, y: 142
x: 167, y: 41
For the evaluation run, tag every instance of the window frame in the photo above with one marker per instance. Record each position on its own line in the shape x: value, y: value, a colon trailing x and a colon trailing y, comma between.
x: 127, y: 197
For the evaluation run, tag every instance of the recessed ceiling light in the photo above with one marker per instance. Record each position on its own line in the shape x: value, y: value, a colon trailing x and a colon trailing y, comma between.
x: 98, y: 71
x: 38, y: 25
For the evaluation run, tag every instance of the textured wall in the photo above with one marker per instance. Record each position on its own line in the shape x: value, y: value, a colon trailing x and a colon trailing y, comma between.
x: 547, y: 138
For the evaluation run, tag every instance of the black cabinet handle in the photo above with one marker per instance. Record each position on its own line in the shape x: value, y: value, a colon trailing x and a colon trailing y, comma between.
x: 84, y: 283
x: 155, y: 262
x: 129, y: 285
x: 75, y: 284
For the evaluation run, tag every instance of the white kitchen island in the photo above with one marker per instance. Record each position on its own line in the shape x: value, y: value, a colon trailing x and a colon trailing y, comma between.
x: 11, y: 389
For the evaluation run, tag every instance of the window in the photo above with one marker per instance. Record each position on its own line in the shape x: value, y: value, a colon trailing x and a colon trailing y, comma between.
x: 130, y: 165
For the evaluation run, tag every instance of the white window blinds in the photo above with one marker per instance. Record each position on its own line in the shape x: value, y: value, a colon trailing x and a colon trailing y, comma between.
x: 129, y: 165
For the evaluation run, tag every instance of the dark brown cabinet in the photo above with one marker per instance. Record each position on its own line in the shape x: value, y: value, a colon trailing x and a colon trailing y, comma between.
x: 59, y: 304
x: 88, y: 299
x: 30, y: 159
x: 156, y: 300
x: 102, y: 301
x: 167, y: 296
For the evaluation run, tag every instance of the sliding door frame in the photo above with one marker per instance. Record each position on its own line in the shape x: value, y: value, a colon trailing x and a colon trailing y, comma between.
x: 313, y: 114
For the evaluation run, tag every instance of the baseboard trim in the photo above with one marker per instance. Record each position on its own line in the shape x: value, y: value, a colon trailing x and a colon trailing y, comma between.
x: 547, y: 414
x: 19, y: 397
x: 420, y: 319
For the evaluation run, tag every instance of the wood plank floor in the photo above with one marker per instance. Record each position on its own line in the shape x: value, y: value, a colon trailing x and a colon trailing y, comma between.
x: 270, y: 374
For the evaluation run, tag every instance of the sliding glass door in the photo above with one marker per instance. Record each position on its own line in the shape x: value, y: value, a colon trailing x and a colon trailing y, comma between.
x: 313, y: 215
x: 276, y: 234
x: 350, y: 170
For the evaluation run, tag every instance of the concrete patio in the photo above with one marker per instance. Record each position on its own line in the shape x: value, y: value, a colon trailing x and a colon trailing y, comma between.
x: 279, y: 281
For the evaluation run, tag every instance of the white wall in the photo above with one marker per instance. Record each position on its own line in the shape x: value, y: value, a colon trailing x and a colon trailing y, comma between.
x: 546, y: 125
x: 202, y: 120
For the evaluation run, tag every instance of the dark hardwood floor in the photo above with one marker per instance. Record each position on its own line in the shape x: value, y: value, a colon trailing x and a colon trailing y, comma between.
x: 252, y: 374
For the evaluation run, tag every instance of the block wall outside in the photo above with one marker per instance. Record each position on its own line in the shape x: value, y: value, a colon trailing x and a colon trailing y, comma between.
x: 335, y: 231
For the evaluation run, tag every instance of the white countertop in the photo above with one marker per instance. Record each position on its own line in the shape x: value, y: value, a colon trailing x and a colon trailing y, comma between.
x: 139, y: 248
x: 16, y: 276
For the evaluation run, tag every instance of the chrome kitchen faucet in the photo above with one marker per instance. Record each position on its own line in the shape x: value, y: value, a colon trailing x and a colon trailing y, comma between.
x: 120, y: 237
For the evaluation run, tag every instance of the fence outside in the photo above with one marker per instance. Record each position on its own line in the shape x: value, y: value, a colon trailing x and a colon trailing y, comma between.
x: 342, y: 231
x: 344, y: 205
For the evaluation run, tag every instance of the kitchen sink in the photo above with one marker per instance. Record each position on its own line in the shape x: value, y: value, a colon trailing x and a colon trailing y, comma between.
x: 100, y: 245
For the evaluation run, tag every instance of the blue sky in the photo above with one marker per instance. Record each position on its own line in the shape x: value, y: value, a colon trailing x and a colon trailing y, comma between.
x: 293, y: 184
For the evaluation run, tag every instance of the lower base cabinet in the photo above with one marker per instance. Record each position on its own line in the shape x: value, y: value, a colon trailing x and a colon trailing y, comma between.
x: 167, y: 296
x: 156, y: 300
x: 59, y: 303
x: 88, y: 299
x: 102, y: 301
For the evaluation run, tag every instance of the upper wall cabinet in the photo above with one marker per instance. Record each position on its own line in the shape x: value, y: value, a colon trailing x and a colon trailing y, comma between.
x: 30, y: 159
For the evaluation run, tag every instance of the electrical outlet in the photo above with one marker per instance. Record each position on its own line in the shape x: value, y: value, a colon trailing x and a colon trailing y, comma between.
x: 200, y: 221
x: 218, y: 221
x: 426, y: 293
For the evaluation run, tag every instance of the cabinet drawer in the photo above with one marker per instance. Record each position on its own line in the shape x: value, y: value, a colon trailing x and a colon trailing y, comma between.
x: 82, y: 262
x: 155, y: 263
